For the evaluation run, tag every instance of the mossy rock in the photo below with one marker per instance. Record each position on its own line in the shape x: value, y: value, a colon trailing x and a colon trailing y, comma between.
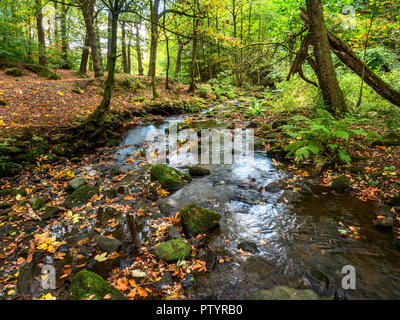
x: 195, y: 219
x: 284, y: 293
x: 75, y: 183
x: 14, y: 72
x: 80, y: 196
x: 42, y: 71
x: 170, y: 178
x: 112, y: 143
x: 390, y: 139
x: 36, y: 203
x: 198, y: 171
x: 89, y: 285
x: 173, y: 250
x: 341, y: 183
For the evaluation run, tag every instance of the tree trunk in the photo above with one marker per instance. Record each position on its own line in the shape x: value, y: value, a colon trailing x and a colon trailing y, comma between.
x: 331, y: 91
x: 40, y: 31
x: 178, y: 59
x: 153, y: 45
x: 138, y: 50
x: 100, y: 112
x: 85, y: 57
x: 108, y: 40
x: 192, y: 86
x: 56, y: 22
x: 123, y: 40
x: 87, y: 11
x: 64, y: 37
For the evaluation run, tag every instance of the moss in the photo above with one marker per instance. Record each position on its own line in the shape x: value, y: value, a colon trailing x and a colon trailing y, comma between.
x: 112, y: 143
x: 198, y: 171
x: 14, y: 72
x: 80, y: 196
x: 195, y: 219
x: 42, y: 71
x: 173, y: 250
x: 341, y: 183
x: 169, y: 178
x: 36, y: 203
x: 284, y: 293
x: 89, y: 285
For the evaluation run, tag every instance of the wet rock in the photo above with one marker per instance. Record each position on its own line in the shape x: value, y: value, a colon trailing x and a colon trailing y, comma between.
x: 395, y: 201
x: 173, y: 233
x: 86, y: 283
x: 80, y: 196
x: 187, y: 281
x: 110, y: 193
x: 339, y: 294
x: 170, y: 178
x: 75, y: 183
x: 166, y: 280
x: 289, y: 196
x: 26, y: 278
x: 49, y: 212
x: 112, y: 143
x: 341, y: 183
x: 107, y: 244
x: 211, y: 259
x: 284, y: 293
x: 195, y: 219
x: 173, y: 250
x: 319, y: 282
x: 165, y: 208
x: 248, y: 246
x: 383, y: 223
x: 275, y: 186
x: 198, y: 171
x: 36, y: 203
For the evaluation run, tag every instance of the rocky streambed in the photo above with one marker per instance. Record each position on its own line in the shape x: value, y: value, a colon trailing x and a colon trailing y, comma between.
x: 266, y: 233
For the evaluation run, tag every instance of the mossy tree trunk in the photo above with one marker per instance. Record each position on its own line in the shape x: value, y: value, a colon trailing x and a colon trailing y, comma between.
x: 98, y: 116
x: 40, y: 31
x: 331, y: 91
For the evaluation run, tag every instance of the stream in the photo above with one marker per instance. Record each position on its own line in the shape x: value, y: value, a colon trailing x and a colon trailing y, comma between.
x: 298, y: 243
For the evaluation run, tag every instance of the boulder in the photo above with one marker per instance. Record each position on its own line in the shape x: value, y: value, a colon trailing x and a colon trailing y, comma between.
x: 49, y: 212
x: 89, y: 285
x: 341, y: 183
x: 107, y: 244
x: 284, y: 293
x: 14, y: 72
x: 75, y: 183
x: 165, y: 208
x: 390, y: 139
x: 384, y: 223
x: 173, y: 250
x: 198, y: 171
x: 36, y: 203
x: 173, y: 233
x: 248, y: 246
x: 289, y: 196
x: 169, y: 178
x: 80, y: 196
x: 195, y: 219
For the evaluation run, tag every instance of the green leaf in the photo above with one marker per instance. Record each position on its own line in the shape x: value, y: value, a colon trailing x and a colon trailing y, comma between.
x: 344, y: 156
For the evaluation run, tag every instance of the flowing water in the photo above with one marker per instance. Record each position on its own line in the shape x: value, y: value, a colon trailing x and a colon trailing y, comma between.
x: 298, y: 244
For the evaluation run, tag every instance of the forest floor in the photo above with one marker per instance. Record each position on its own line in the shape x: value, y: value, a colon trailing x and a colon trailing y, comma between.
x: 35, y: 102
